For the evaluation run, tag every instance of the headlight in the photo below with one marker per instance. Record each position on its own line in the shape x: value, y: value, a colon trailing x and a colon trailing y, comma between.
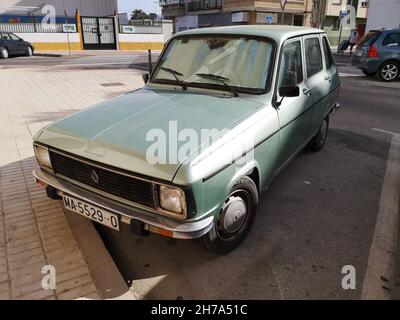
x: 172, y: 200
x: 42, y: 156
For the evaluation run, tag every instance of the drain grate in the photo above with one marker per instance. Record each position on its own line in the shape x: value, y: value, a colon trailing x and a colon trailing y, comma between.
x: 112, y: 84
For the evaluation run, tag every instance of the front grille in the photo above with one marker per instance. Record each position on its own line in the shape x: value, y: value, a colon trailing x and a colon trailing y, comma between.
x: 122, y: 186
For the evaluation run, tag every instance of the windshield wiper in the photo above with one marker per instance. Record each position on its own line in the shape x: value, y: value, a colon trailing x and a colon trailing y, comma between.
x: 176, y: 74
x: 220, y: 79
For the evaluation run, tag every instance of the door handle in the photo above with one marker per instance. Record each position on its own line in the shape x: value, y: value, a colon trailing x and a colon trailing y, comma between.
x: 327, y: 78
x: 307, y: 92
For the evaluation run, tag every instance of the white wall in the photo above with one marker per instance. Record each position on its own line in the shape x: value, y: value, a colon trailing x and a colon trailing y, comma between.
x: 383, y: 14
x: 49, y: 37
x: 86, y: 7
x: 186, y: 22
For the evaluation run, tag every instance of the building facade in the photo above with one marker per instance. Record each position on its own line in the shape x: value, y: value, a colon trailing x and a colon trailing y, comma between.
x: 12, y: 11
x: 189, y: 14
x: 332, y: 20
x: 383, y: 14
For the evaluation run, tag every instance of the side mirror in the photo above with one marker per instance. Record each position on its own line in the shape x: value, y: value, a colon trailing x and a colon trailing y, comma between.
x: 20, y: 39
x: 145, y: 77
x: 289, y: 91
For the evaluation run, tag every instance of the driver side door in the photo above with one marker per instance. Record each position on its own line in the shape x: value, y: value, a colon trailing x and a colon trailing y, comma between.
x: 295, y: 113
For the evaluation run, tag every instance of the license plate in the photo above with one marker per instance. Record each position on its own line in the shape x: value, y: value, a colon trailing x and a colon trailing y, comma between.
x: 91, y: 212
x: 359, y: 53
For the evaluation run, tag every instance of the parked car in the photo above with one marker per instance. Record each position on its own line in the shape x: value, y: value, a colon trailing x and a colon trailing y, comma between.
x: 269, y: 87
x: 12, y: 45
x: 378, y: 53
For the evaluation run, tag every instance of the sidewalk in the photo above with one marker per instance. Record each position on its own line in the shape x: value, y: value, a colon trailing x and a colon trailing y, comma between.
x: 34, y: 231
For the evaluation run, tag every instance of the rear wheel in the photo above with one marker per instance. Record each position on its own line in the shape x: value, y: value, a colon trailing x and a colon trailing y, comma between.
x: 318, y: 142
x: 3, y: 53
x: 389, y: 71
x: 369, y: 74
x: 235, y: 220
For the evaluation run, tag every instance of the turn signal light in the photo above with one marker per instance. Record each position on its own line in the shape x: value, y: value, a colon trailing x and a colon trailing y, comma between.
x: 373, y: 52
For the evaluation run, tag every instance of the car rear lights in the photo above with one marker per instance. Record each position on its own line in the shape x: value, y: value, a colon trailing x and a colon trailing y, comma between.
x: 373, y: 52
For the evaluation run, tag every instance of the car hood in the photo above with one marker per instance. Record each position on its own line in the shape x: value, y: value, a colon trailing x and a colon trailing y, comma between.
x: 119, y: 132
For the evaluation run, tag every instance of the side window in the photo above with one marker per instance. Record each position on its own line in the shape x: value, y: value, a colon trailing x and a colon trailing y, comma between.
x: 4, y: 36
x: 328, y: 54
x: 313, y: 56
x: 392, y: 39
x: 13, y: 37
x: 291, y: 65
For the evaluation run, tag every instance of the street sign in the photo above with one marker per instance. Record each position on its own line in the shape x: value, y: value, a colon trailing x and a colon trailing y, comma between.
x: 342, y: 14
x: 269, y: 19
x: 283, y: 4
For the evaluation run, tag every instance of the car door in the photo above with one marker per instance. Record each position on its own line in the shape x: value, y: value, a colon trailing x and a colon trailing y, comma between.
x: 20, y: 46
x: 318, y: 80
x: 294, y: 113
x: 390, y: 48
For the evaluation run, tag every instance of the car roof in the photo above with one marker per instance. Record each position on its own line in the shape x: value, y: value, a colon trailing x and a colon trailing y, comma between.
x: 276, y: 32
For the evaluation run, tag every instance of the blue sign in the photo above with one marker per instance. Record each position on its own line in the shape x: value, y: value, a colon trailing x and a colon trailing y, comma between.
x: 342, y: 14
x: 269, y: 19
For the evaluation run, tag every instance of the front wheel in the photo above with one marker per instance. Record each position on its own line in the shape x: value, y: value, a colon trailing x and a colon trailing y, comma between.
x: 29, y: 52
x: 389, y: 71
x: 235, y: 219
x: 318, y: 142
x: 3, y: 53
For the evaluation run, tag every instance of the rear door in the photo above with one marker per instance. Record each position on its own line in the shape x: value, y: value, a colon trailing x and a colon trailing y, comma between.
x: 9, y: 44
x: 318, y: 79
x: 294, y: 112
x: 20, y: 46
x: 390, y: 48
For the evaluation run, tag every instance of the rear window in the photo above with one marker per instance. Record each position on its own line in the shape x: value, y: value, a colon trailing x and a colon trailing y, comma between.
x: 369, y: 38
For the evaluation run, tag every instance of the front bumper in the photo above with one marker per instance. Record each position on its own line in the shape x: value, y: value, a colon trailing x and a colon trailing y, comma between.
x: 152, y: 222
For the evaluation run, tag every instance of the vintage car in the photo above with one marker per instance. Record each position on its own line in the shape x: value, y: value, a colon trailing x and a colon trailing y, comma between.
x: 261, y: 93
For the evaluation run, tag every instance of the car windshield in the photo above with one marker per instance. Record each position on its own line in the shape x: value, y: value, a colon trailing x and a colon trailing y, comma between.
x: 238, y: 63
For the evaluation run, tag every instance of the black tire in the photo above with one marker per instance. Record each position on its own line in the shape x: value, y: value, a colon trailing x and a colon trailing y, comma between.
x: 29, y: 52
x: 4, y: 54
x: 369, y: 74
x: 389, y: 71
x: 318, y: 142
x: 219, y: 240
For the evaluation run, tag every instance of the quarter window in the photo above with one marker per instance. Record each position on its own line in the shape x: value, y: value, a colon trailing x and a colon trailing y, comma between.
x: 392, y: 39
x: 291, y: 66
x: 328, y: 54
x: 313, y: 56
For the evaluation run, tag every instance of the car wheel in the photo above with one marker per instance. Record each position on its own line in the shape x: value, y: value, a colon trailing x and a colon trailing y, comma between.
x: 318, y: 142
x: 235, y: 219
x: 389, y: 71
x: 29, y: 52
x: 369, y: 74
x: 3, y: 53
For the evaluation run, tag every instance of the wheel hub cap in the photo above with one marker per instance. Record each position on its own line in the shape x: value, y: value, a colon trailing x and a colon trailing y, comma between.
x: 233, y: 215
x: 390, y: 72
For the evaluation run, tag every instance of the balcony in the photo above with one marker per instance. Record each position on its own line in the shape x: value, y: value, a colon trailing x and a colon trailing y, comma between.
x: 202, y: 5
x: 177, y: 3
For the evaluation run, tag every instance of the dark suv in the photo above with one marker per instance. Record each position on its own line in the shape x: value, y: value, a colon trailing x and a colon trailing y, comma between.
x: 11, y: 44
x: 378, y: 53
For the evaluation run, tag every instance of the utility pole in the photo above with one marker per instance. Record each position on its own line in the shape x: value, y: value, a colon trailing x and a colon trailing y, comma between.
x: 283, y: 4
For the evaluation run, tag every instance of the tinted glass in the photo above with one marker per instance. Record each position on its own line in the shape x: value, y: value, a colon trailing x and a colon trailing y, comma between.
x: 392, y: 39
x: 313, y: 56
x: 5, y: 36
x: 13, y: 36
x: 291, y: 65
x: 328, y: 54
x: 369, y: 38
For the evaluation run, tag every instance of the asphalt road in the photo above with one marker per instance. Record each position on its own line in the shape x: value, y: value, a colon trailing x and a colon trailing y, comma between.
x: 319, y: 214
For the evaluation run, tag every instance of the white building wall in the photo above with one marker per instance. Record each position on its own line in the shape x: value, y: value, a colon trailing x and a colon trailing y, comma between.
x: 383, y: 14
x: 86, y: 7
x: 186, y: 22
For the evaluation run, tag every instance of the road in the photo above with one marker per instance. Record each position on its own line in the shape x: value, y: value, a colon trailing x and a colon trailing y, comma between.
x: 318, y: 216
x: 323, y: 212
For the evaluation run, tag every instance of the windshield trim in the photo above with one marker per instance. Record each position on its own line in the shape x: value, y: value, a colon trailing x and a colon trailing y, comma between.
x: 216, y: 86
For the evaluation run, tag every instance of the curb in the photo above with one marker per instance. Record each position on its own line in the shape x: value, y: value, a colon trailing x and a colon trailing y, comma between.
x: 105, y: 273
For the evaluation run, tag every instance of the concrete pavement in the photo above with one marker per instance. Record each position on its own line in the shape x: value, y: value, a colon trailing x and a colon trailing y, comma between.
x: 34, y: 231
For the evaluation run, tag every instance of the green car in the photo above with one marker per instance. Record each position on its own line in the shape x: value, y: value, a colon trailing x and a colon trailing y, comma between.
x: 187, y: 156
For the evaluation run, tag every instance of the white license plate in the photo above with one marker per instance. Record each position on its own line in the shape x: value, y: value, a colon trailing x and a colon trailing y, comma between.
x: 91, y: 212
x: 358, y: 53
